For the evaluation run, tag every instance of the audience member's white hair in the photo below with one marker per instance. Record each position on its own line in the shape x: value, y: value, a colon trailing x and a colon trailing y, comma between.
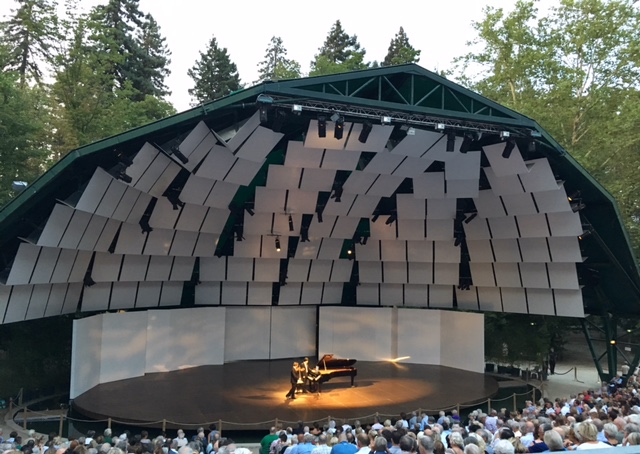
x: 504, y: 447
x: 472, y: 449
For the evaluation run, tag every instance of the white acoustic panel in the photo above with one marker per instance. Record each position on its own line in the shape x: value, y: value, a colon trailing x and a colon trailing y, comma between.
x: 134, y: 268
x: 439, y: 150
x: 199, y: 139
x: 239, y: 269
x: 164, y: 216
x: 441, y: 208
x: 446, y: 273
x: 301, y: 157
x: 480, y: 251
x: 457, y: 352
x: 441, y: 296
x: 269, y: 251
x: 507, y: 274
x: 519, y: 204
x: 393, y: 251
x: 182, y: 268
x: 512, y: 165
x: 504, y: 185
x: 420, y: 251
x: 540, y: 301
x: 489, y: 205
x: 259, y: 294
x: 467, y: 299
x: 392, y: 294
x: 64, y: 266
x: 112, y: 198
x: 534, y: 250
x: 301, y: 202
x: 540, y: 176
x: 244, y: 132
x: 342, y: 207
x: 385, y: 185
x: 107, y: 235
x: 412, y: 167
x: 322, y: 229
x: 340, y: 160
x: 221, y: 195
x: 148, y: 294
x: 514, y: 300
x: 330, y: 249
x: 234, y: 293
x: 89, y: 240
x: 312, y: 140
x: 308, y: 249
x: 368, y: 294
x: 332, y: 293
x: 311, y: 293
x: 192, y: 218
x: 171, y: 294
x: 154, y: 184
x: 568, y: 303
x: 376, y: 141
x: 462, y: 189
x: 565, y: 249
x: 394, y: 272
x: 320, y: 270
x: 410, y: 207
x: 106, y: 267
x: 463, y: 166
x: 243, y: 172
x: 363, y: 206
x: 416, y: 296
x: 96, y: 297
x: 482, y: 274
x: 282, y: 177
x: 214, y: 220
x: 94, y: 192
x: 38, y: 302
x: 141, y: 162
x: 369, y: 251
x: 429, y: 185
x: 565, y: 224
x: 269, y: 200
x: 56, y: 299
x: 72, y: 298
x: 370, y: 272
x: 259, y: 144
x: 383, y: 163
x: 380, y: 230
x: 345, y: 227
x: 506, y: 250
x: 56, y: 225
x: 298, y: 270
x: 290, y: 294
x: 131, y: 239
x: 85, y: 355
x: 123, y: 295
x: 23, y: 264
x: 420, y: 273
x: 18, y: 303
x: 489, y: 299
x: 411, y: 229
x: 213, y: 269
x: 80, y: 266
x: 563, y: 276
x: 131, y: 199
x: 267, y: 270
x: 503, y: 227
x: 477, y: 229
x: 139, y: 207
x: 417, y: 144
x: 359, y: 182
x: 159, y: 268
x: 446, y: 252
x: 158, y: 242
x: 206, y: 245
x: 439, y: 229
x: 533, y: 226
x: 553, y: 201
x: 250, y: 246
x: 534, y: 275
x: 196, y: 190
x: 341, y: 271
x: 75, y: 230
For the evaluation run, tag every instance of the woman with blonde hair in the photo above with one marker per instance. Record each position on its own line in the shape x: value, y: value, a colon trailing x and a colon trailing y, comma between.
x: 587, y: 434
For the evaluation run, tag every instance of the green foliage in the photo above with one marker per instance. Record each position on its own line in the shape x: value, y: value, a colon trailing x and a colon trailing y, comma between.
x: 400, y: 51
x: 576, y: 72
x: 276, y: 65
x: 214, y: 74
x: 339, y: 53
x: 29, y: 35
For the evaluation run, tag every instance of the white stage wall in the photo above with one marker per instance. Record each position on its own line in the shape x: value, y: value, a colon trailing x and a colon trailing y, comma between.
x: 247, y: 333
x: 419, y: 335
x: 124, y: 346
x: 462, y: 340
x: 293, y: 332
x: 85, y: 354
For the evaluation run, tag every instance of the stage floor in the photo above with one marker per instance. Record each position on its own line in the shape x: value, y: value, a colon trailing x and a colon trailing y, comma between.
x: 254, y: 392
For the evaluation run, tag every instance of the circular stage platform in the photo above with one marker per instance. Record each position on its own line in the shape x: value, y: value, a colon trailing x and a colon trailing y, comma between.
x: 251, y: 394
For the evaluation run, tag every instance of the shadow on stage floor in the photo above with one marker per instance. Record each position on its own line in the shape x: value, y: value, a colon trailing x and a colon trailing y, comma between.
x: 254, y: 392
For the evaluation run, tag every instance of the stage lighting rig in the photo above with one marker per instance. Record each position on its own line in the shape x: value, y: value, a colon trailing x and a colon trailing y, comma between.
x: 508, y: 148
x: 322, y: 126
x: 366, y: 130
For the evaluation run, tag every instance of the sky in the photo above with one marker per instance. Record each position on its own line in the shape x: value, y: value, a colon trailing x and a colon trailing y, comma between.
x: 440, y: 29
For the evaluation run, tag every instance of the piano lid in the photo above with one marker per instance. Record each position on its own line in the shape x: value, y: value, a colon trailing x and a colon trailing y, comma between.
x: 329, y: 362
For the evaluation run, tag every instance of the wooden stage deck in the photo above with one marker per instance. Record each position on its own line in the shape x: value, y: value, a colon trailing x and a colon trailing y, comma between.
x: 254, y: 392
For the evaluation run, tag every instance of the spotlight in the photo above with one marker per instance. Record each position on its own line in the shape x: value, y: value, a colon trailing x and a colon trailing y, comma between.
x: 264, y: 114
x: 440, y: 126
x: 531, y: 146
x: 466, y: 143
x: 458, y: 241
x: 470, y: 218
x: 613, y: 342
x: 505, y: 134
x: 297, y: 108
x: 337, y: 193
x: 386, y: 120
x: 322, y: 126
x: 278, y: 244
x: 574, y: 195
x: 291, y: 228
x: 250, y: 211
x: 364, y: 240
x: 508, y: 148
x: 339, y: 127
x: 585, y: 234
x: 575, y: 207
x: 349, y: 251
x: 451, y: 141
x: 366, y: 129
x: 411, y: 132
x: 393, y: 218
x: 175, y: 150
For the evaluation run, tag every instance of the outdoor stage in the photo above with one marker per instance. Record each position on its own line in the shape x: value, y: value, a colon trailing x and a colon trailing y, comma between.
x: 254, y: 392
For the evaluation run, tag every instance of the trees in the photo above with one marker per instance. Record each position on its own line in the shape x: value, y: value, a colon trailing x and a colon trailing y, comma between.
x: 339, y: 53
x: 214, y: 74
x: 29, y: 36
x: 400, y: 51
x: 276, y: 65
x: 576, y: 71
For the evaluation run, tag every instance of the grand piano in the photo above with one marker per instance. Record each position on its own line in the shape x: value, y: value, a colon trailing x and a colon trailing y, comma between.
x: 329, y: 367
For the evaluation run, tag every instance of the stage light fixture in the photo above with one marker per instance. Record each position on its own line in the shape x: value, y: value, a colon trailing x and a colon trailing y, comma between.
x: 175, y: 150
x: 278, y: 249
x: 440, y: 126
x: 466, y: 143
x: 291, y: 228
x: 322, y: 126
x: 366, y: 130
x: 264, y: 114
x: 584, y: 234
x: 575, y: 207
x: 508, y: 148
x: 250, y: 211
x: 338, y: 130
x: 278, y: 121
x: 613, y: 342
x: 297, y: 108
x: 385, y: 120
x: 337, y: 193
x: 393, y: 218
x: 574, y: 195
x: 531, y: 146
x: 458, y: 240
x: 349, y: 251
x: 411, y: 131
x: 375, y: 217
x: 451, y: 141
x: 505, y: 134
x: 470, y: 218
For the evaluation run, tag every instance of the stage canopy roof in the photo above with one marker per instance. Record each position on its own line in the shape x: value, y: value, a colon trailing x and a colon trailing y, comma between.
x: 390, y: 186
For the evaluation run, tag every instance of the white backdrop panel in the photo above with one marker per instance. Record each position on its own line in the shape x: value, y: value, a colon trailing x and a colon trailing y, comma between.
x: 455, y: 350
x: 247, y: 333
x: 303, y: 331
x: 423, y: 349
x: 124, y: 345
x: 85, y: 355
x: 365, y: 333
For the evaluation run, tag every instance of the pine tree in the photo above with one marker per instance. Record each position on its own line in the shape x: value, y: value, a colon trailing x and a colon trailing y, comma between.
x: 29, y: 36
x: 400, y: 51
x: 156, y: 57
x: 339, y: 53
x: 276, y: 65
x: 214, y: 74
